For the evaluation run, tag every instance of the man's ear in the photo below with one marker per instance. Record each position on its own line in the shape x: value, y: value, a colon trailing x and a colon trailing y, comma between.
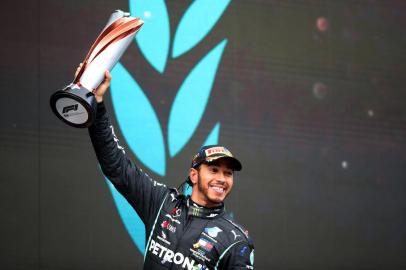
x: 193, y: 175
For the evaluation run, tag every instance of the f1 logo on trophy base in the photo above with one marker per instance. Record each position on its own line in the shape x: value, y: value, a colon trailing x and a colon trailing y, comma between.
x: 75, y: 104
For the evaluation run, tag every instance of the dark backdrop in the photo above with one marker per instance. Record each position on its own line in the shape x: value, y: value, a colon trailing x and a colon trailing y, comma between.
x: 316, y: 115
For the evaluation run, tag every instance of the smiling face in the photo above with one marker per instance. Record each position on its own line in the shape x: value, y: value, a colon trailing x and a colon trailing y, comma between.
x: 212, y: 182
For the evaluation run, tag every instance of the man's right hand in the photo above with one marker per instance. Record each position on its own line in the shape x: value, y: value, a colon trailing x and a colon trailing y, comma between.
x: 102, y: 88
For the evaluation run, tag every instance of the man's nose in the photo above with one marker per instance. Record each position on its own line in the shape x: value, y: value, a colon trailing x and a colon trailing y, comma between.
x: 221, y: 177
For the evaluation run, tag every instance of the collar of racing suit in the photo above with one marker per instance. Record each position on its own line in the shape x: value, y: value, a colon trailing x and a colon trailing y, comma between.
x: 200, y: 211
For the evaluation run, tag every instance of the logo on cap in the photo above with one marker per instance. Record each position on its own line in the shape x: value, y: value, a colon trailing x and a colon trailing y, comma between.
x: 217, y: 150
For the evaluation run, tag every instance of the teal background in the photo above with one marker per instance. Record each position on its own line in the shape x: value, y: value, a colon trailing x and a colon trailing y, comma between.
x: 317, y: 119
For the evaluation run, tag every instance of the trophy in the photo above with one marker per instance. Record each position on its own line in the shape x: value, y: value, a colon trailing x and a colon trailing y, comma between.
x: 75, y: 104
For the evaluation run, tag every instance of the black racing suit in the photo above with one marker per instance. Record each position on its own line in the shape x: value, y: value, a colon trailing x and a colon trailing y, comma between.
x: 180, y: 234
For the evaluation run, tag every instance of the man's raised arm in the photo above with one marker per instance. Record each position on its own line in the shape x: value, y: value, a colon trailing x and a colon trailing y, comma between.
x: 144, y: 194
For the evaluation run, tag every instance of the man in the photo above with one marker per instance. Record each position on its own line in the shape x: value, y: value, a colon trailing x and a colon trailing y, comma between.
x: 182, y: 232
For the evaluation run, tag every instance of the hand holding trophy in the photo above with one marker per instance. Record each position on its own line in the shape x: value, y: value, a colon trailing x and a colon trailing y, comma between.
x: 76, y: 104
x: 102, y: 88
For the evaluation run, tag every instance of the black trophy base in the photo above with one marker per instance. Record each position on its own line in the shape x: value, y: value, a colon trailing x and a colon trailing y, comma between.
x: 74, y: 105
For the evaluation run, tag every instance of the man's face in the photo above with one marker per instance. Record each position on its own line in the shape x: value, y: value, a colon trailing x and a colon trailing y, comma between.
x: 212, y: 182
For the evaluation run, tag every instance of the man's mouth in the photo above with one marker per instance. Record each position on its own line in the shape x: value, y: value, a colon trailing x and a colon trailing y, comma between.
x: 217, y: 189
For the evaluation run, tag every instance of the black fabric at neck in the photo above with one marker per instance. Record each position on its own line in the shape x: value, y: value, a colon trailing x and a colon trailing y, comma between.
x: 197, y: 210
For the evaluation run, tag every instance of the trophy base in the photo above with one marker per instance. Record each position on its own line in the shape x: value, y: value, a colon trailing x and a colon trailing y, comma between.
x: 74, y: 105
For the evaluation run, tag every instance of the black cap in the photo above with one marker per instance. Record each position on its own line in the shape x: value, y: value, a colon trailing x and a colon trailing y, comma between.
x: 210, y: 153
